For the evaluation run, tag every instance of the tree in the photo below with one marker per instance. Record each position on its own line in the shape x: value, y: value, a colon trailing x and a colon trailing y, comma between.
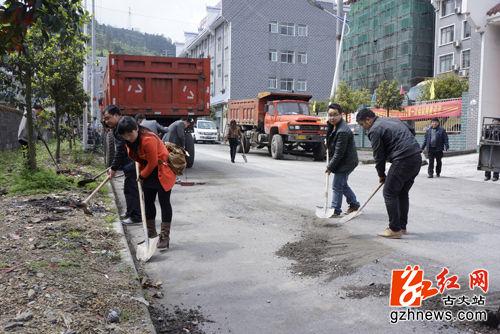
x: 447, y: 86
x: 319, y: 106
x: 350, y: 100
x: 389, y: 96
x: 62, y: 17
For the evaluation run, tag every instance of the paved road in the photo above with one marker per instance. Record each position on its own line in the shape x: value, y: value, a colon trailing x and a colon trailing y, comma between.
x: 225, y: 235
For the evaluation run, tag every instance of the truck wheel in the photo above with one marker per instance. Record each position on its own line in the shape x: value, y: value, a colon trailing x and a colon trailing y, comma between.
x: 319, y: 152
x: 245, y: 144
x: 190, y: 150
x: 109, y: 148
x: 277, y: 147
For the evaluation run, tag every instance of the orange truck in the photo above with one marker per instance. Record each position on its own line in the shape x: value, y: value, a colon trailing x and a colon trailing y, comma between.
x: 279, y: 121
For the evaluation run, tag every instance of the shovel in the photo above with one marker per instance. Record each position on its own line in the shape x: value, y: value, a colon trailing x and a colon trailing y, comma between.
x: 325, y: 212
x: 85, y: 181
x: 58, y: 170
x: 85, y: 203
x: 354, y: 214
x: 146, y: 249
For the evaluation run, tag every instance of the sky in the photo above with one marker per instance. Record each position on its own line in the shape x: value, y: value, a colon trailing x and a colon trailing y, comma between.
x: 170, y: 18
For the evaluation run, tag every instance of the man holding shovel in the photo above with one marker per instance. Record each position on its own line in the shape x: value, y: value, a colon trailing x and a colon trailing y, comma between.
x: 344, y: 158
x: 393, y: 141
x: 111, y: 116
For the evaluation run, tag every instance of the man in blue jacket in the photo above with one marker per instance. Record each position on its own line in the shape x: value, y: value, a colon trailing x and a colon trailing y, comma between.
x: 343, y: 159
x: 435, y: 141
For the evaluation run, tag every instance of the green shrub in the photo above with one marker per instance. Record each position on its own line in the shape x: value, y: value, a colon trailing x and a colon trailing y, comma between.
x: 41, y: 181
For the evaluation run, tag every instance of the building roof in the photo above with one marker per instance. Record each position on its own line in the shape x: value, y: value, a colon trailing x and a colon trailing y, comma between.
x: 494, y: 10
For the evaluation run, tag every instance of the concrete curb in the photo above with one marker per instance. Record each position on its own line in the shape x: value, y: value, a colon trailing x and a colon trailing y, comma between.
x: 126, y: 256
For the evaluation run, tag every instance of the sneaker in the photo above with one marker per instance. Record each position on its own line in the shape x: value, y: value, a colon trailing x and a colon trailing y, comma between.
x: 124, y: 216
x: 403, y: 231
x: 430, y: 176
x: 352, y: 208
x: 494, y: 179
x: 390, y: 234
x: 336, y: 214
x: 129, y: 221
x: 486, y: 178
x: 438, y: 175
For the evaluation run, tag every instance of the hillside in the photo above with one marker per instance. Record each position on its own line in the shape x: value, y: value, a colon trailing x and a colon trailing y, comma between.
x: 125, y: 41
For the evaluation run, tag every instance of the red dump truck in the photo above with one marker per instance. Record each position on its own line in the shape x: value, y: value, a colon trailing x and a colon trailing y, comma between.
x: 162, y: 88
x: 279, y: 121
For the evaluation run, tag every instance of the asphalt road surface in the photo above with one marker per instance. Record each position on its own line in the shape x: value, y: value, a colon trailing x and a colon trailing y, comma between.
x: 249, y: 252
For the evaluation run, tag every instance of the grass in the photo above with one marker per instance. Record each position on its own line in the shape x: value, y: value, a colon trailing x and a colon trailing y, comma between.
x: 74, y: 235
x: 33, y: 266
x: 125, y: 316
x: 110, y: 219
x: 68, y: 265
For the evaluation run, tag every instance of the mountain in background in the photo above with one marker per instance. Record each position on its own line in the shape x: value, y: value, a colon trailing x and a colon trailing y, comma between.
x: 131, y: 42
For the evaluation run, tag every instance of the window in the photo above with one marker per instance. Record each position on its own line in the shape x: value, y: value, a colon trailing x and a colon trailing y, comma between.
x: 271, y: 109
x: 273, y: 27
x: 226, y: 81
x: 286, y: 84
x: 273, y: 55
x: 287, y: 29
x: 466, y: 33
x: 301, y: 30
x: 465, y: 58
x: 219, y: 44
x: 287, y: 57
x: 219, y: 71
x: 301, y: 85
x: 302, y: 58
x: 447, y: 7
x: 447, y: 34
x: 445, y: 63
x: 273, y: 83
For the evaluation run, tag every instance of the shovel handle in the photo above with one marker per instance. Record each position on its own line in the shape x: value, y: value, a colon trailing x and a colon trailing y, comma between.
x: 104, y: 171
x: 369, y: 198
x: 97, y: 189
x: 143, y: 206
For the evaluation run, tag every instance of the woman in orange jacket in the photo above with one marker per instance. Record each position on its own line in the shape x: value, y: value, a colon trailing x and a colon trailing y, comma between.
x: 147, y: 149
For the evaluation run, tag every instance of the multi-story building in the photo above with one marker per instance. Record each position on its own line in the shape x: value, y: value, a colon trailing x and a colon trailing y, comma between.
x: 389, y: 39
x: 453, y: 39
x: 265, y: 45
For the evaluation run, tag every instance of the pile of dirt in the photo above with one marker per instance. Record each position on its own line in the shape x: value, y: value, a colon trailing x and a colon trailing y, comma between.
x: 177, y: 320
x: 61, y: 272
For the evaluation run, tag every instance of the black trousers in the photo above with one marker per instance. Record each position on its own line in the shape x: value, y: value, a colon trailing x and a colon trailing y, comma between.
x: 163, y: 198
x: 397, y: 185
x: 131, y: 192
x: 233, y: 145
x: 488, y: 174
x: 438, y: 155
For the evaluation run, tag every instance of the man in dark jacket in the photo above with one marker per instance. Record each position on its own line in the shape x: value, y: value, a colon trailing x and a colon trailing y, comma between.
x: 175, y: 133
x: 393, y: 141
x: 343, y: 159
x: 435, y: 141
x: 111, y: 116
x: 152, y: 125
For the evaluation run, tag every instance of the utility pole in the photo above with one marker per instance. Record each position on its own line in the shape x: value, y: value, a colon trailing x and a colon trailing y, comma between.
x: 92, y: 73
x: 86, y: 110
x: 338, y: 30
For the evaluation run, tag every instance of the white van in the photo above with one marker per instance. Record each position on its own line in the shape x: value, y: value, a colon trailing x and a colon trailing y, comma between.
x: 205, y: 131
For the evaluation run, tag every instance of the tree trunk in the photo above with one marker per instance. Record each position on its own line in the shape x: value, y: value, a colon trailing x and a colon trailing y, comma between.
x: 70, y: 135
x: 58, y: 132
x: 29, y: 116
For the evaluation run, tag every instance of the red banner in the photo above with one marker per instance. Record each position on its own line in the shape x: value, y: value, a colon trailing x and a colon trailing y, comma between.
x: 424, y: 111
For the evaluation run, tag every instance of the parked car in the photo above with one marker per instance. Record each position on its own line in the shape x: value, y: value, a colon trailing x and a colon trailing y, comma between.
x: 205, y: 131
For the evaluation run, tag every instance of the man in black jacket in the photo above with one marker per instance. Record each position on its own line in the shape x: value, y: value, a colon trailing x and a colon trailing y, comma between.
x: 343, y: 159
x: 435, y: 141
x: 111, y: 116
x: 393, y: 141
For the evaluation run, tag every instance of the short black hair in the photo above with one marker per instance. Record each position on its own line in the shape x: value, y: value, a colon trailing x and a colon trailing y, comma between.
x: 435, y: 119
x: 139, y: 116
x: 364, y: 113
x: 37, y: 106
x: 188, y: 119
x: 112, y: 110
x: 335, y: 106
x: 126, y: 124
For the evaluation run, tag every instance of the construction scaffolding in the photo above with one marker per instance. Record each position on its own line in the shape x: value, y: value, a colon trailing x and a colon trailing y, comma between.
x: 389, y: 39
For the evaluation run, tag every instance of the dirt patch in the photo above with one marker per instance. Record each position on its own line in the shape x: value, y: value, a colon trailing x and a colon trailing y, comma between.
x: 177, y: 320
x: 330, y: 251
x: 373, y: 289
x: 61, y: 272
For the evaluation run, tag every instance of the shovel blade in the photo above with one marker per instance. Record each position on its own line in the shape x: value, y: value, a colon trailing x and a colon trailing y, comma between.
x: 324, y: 212
x: 350, y: 216
x: 244, y: 157
x: 146, y: 250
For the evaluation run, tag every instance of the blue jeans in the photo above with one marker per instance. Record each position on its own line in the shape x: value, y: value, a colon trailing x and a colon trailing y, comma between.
x: 341, y: 188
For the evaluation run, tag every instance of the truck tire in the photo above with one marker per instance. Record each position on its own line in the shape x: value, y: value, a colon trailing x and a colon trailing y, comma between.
x: 277, y: 147
x: 319, y: 152
x: 190, y: 149
x: 245, y: 144
x: 109, y: 148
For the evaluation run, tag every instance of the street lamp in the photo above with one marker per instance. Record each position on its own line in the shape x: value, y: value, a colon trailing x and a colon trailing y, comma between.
x: 345, y: 22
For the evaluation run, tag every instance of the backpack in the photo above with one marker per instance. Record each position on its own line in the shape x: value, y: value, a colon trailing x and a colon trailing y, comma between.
x: 176, y: 158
